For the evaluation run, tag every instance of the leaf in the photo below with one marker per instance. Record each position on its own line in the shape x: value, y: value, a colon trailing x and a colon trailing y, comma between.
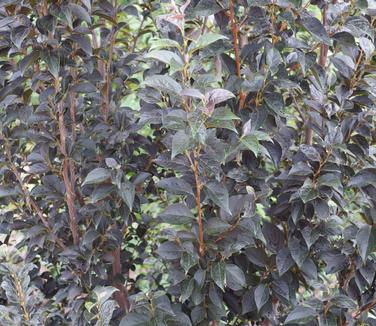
x: 187, y: 290
x: 7, y: 192
x: 310, y: 152
x: 363, y: 178
x: 177, y: 214
x: 316, y: 28
x: 224, y: 114
x: 235, y: 278
x: 28, y: 60
x: 298, y: 250
x: 175, y: 186
x: 301, y: 315
x: 135, y: 319
x: 343, y: 301
x: 96, y: 176
x: 273, y: 59
x: 164, y: 56
x: 284, y: 261
x: 367, y: 46
x: 251, y: 143
x: 307, y: 192
x: 180, y: 143
x: 359, y: 26
x: 127, y: 192
x: 103, y: 293
x: 218, y: 95
x: 192, y: 92
x: 80, y: 12
x: 169, y: 250
x: 204, y: 41
x: 84, y: 87
x: 53, y: 62
x: 164, y: 43
x: 218, y: 193
x: 214, y: 97
x: 366, y: 240
x: 261, y: 296
x: 275, y: 102
x: 83, y: 41
x: 163, y: 83
x: 274, y: 237
x: 218, y: 274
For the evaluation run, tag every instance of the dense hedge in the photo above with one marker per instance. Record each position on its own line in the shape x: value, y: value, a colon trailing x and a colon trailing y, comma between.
x: 206, y: 162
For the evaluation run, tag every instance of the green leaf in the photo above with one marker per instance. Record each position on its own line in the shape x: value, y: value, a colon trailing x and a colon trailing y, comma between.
x: 205, y: 40
x: 301, y: 315
x: 96, y: 176
x: 251, y: 143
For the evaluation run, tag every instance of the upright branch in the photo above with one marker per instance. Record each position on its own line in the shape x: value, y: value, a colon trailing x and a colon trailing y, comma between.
x: 121, y: 296
x: 68, y: 176
x: 201, y: 243
x: 322, y: 62
x: 235, y: 39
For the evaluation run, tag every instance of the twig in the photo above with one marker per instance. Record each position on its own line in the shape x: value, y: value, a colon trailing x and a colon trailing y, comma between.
x: 365, y: 308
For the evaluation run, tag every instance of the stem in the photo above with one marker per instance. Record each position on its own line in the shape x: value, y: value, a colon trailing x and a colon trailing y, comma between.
x: 365, y: 308
x: 138, y: 34
x: 235, y: 37
x: 201, y: 242
x: 120, y: 296
x: 68, y: 177
x: 322, y: 62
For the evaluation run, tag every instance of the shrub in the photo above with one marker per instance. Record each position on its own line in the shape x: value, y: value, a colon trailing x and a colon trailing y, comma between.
x: 192, y: 163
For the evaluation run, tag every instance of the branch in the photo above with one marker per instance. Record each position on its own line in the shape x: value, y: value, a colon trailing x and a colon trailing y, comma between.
x: 68, y: 178
x: 365, y: 308
x: 121, y: 296
x: 235, y: 37
x: 30, y: 203
x: 199, y: 210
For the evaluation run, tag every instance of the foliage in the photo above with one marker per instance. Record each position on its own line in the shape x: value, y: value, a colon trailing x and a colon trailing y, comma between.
x: 193, y: 163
